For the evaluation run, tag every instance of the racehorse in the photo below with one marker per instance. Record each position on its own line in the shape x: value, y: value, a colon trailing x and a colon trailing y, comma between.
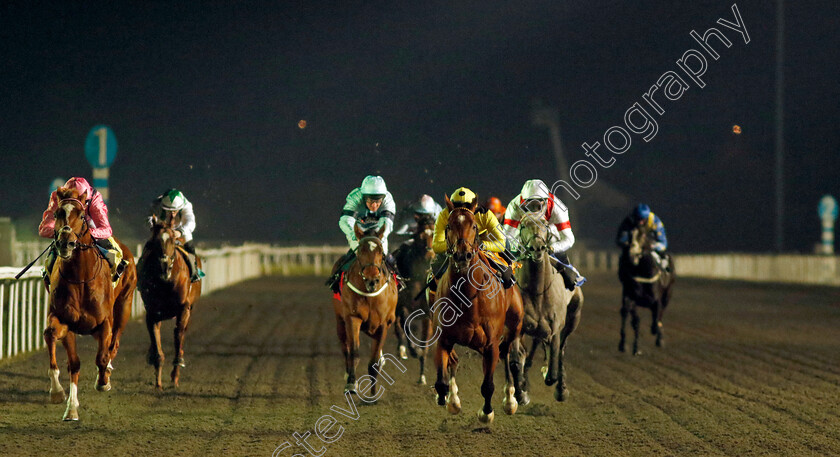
x: 164, y: 283
x: 644, y: 283
x: 368, y: 303
x: 552, y: 312
x: 473, y: 310
x: 83, y: 299
x: 413, y: 260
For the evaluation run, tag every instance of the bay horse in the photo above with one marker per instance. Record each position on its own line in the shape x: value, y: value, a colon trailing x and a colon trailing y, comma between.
x: 552, y: 312
x: 83, y: 300
x: 413, y: 261
x: 473, y: 310
x: 367, y: 303
x: 164, y: 283
x: 643, y: 283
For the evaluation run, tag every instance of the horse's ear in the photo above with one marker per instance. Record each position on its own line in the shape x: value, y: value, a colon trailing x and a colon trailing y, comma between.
x: 61, y: 192
x: 358, y: 231
x: 448, y: 202
x: 381, y: 232
x: 83, y: 197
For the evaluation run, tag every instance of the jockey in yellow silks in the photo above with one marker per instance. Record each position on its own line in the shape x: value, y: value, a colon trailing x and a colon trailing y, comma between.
x: 489, y: 232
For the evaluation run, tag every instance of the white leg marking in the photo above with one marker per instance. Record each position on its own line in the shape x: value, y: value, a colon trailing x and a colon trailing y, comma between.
x: 56, y: 391
x: 72, y: 412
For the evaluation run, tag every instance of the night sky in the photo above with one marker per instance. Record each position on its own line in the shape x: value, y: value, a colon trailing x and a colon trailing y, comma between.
x: 432, y: 95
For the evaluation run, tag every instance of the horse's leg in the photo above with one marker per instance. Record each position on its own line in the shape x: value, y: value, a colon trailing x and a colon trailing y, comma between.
x: 442, y: 387
x: 181, y: 324
x: 491, y: 358
x: 375, y: 356
x: 572, y: 320
x: 74, y: 366
x: 54, y: 331
x: 656, y: 326
x: 634, y: 321
x: 624, y: 311
x: 518, y: 360
x: 423, y: 351
x: 529, y: 360
x: 351, y: 357
x: 553, y: 360
x: 122, y: 313
x: 512, y: 377
x: 155, y: 356
x: 103, y: 357
x: 400, y: 332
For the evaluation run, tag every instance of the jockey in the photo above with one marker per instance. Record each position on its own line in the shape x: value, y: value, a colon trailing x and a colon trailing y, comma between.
x: 489, y: 230
x: 96, y: 216
x: 173, y: 204
x: 642, y: 216
x: 495, y: 206
x: 425, y: 206
x: 536, y: 200
x: 366, y: 205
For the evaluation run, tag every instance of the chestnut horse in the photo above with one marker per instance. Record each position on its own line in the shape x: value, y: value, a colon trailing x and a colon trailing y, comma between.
x: 164, y: 283
x: 83, y: 300
x: 645, y: 284
x: 413, y: 260
x: 552, y: 312
x: 368, y: 304
x: 472, y: 309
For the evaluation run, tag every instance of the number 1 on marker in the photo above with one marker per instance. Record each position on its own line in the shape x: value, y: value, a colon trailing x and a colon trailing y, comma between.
x: 102, y: 133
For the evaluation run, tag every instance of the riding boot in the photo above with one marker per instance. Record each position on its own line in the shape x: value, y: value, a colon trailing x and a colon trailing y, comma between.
x: 340, y: 266
x: 195, y: 273
x: 110, y: 254
x: 391, y: 262
x: 571, y: 277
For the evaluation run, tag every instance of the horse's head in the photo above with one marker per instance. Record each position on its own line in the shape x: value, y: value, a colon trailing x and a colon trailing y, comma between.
x: 425, y: 234
x: 641, y: 244
x: 461, y: 235
x: 162, y: 245
x: 371, y: 257
x: 70, y: 225
x: 534, y: 235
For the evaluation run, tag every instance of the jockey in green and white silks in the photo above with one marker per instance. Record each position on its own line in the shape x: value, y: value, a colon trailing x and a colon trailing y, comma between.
x: 371, y: 206
x: 174, y: 204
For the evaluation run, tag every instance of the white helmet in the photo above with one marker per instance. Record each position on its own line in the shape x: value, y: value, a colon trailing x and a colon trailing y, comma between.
x: 374, y: 185
x: 426, y: 205
x: 173, y: 200
x: 534, y: 188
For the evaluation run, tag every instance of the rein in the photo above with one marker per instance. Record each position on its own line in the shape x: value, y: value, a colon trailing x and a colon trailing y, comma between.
x: 380, y: 267
x: 81, y: 246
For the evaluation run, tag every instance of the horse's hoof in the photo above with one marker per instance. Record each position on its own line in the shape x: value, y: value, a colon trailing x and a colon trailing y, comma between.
x: 561, y: 394
x: 511, y: 406
x: 422, y: 380
x: 660, y: 343
x: 486, y: 418
x: 180, y: 362
x: 621, y: 347
x: 523, y: 398
x: 440, y: 400
x: 159, y: 387
x: 350, y: 387
x: 544, y: 371
x: 103, y: 387
x: 110, y: 367
x: 637, y: 352
x: 403, y: 353
x: 71, y: 415
x: 453, y: 404
x: 58, y: 397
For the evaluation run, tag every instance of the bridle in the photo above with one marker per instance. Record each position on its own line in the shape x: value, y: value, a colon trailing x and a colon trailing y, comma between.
x: 472, y: 247
x: 78, y: 244
x: 380, y: 269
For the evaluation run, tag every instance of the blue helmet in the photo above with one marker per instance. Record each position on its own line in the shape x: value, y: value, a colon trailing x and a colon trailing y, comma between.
x: 641, y: 212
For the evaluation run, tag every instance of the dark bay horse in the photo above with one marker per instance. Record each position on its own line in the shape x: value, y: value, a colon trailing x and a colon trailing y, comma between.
x: 472, y: 309
x: 552, y: 312
x: 83, y: 300
x: 645, y: 284
x: 164, y: 283
x: 368, y: 304
x: 413, y: 261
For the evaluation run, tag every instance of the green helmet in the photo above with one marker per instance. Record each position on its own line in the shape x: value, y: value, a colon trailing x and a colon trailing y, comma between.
x: 173, y: 200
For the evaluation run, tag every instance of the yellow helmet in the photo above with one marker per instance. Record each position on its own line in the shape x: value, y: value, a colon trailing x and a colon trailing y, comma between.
x: 462, y: 195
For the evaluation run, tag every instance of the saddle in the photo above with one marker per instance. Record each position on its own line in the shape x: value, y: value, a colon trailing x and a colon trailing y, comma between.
x: 186, y: 255
x: 493, y: 259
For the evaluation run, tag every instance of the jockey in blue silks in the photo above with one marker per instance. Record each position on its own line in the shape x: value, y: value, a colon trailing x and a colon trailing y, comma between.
x: 642, y: 216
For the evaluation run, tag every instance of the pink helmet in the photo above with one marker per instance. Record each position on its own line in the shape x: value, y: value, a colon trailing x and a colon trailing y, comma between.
x: 81, y: 185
